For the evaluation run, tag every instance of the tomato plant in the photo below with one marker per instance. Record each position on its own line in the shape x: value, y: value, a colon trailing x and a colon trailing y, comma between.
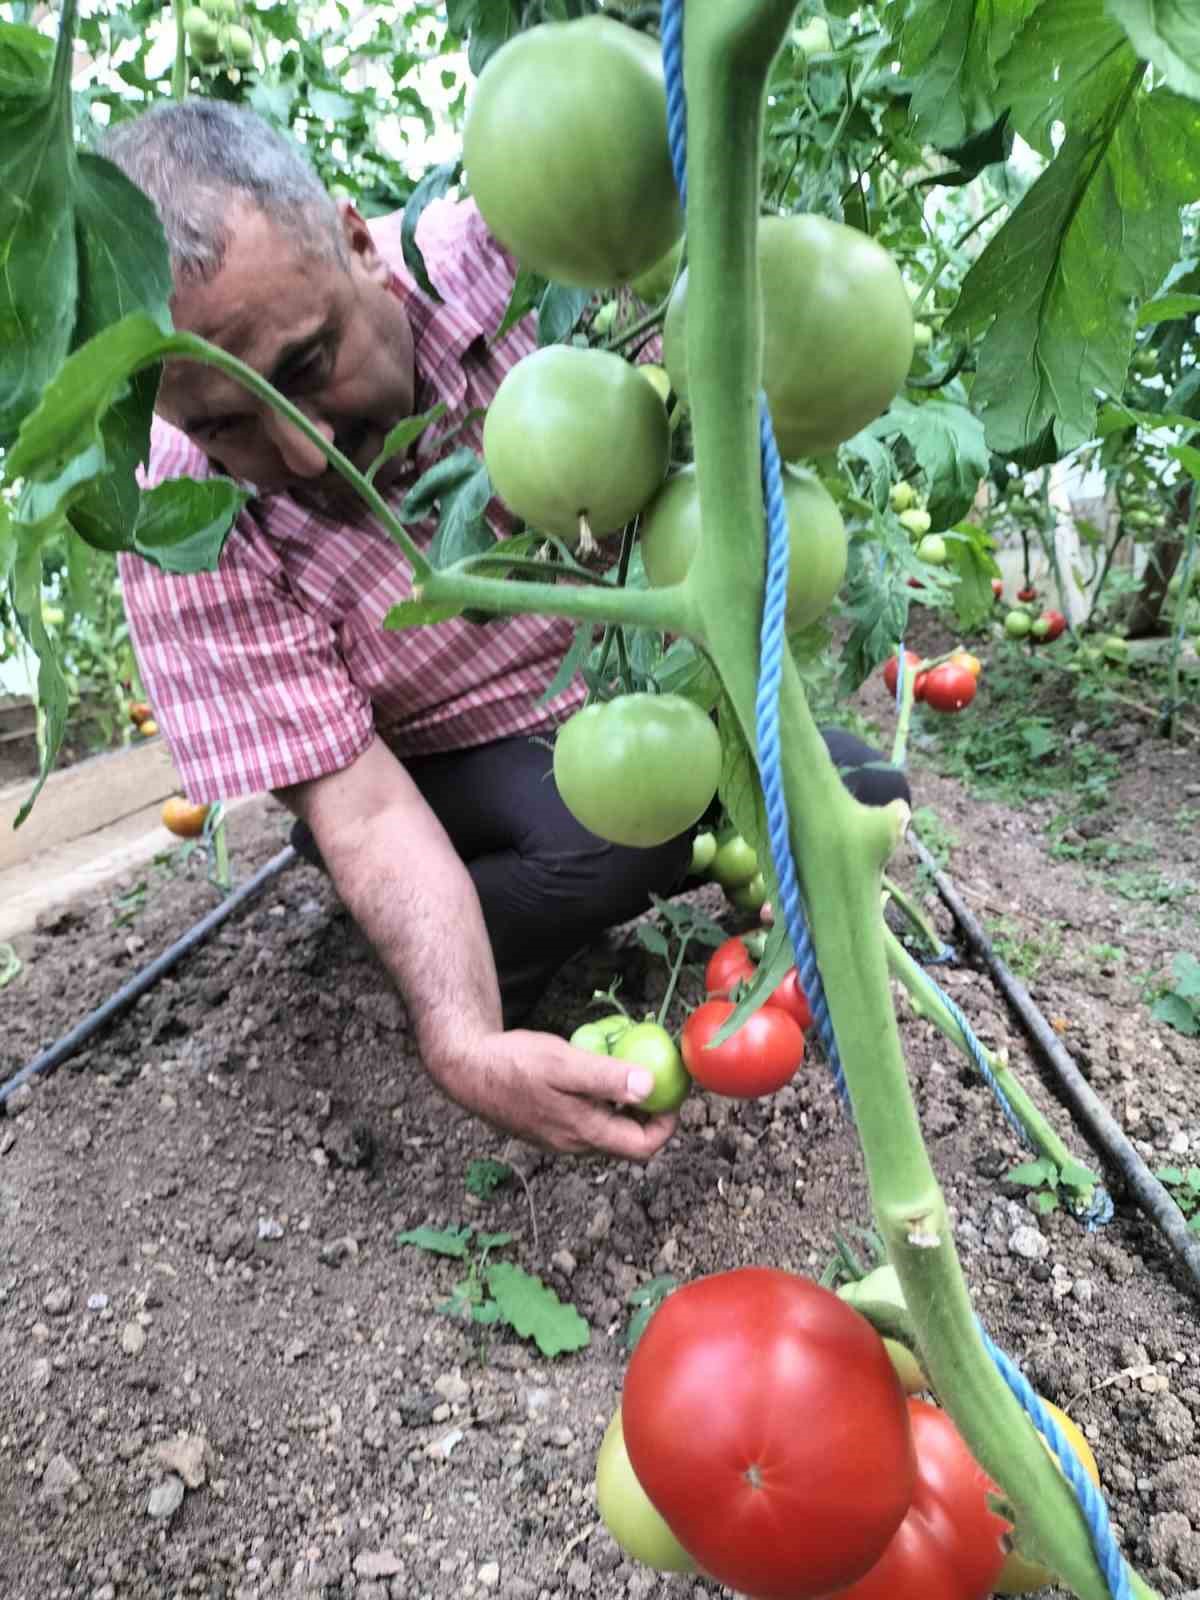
x: 565, y: 147
x: 575, y: 434
x: 949, y: 687
x: 638, y: 770
x: 626, y: 1509
x: 758, y: 1058
x: 732, y: 964
x: 837, y: 325
x: 764, y: 1420
x: 948, y: 1546
x: 670, y: 536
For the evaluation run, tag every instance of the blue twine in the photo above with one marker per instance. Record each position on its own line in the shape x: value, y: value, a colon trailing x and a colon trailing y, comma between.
x: 770, y: 767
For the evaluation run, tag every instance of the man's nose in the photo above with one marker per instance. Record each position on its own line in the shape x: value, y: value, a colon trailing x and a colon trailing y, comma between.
x: 298, y: 452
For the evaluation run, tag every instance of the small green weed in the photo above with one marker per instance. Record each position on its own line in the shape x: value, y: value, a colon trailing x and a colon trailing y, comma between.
x: 484, y: 1177
x: 1185, y: 1191
x: 1152, y: 885
x: 1049, y: 1182
x: 500, y: 1292
x: 1176, y: 1000
x: 1026, y: 953
x: 1106, y: 954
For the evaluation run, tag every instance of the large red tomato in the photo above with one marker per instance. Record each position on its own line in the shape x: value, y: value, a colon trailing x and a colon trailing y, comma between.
x: 757, y: 1058
x: 948, y: 1546
x: 766, y: 1423
x: 731, y: 964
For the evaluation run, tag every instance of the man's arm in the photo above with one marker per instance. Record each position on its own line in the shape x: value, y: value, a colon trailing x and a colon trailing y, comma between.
x: 404, y: 884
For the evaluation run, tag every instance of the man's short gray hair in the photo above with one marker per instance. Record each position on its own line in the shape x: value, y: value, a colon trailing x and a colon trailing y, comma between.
x: 194, y: 158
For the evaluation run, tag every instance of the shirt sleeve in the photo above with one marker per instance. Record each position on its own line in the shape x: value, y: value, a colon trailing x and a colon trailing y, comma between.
x: 249, y: 688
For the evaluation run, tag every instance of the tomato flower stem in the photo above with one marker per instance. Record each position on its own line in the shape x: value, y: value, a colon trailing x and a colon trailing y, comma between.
x: 840, y: 847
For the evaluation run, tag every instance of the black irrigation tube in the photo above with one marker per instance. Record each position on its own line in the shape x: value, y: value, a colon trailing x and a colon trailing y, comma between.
x: 70, y: 1042
x: 1099, y: 1125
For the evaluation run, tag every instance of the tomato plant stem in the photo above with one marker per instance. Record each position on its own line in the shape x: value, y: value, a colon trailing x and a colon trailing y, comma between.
x: 903, y: 722
x: 840, y: 846
x: 670, y: 610
x: 913, y: 912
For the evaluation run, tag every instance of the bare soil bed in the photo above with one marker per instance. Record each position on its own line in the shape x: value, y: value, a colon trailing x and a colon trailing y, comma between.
x: 221, y: 1377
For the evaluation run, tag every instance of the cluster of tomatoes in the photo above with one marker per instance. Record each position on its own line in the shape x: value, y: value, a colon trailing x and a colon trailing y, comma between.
x: 577, y: 442
x: 948, y: 685
x: 913, y: 517
x: 215, y: 35
x: 757, y: 1059
x: 141, y: 714
x: 767, y: 1439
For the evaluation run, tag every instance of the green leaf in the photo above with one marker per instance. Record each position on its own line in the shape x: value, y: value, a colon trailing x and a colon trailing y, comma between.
x: 1177, y: 1013
x: 968, y: 555
x: 52, y: 693
x: 650, y: 938
x: 1044, y: 1202
x: 685, y: 670
x: 1170, y: 1175
x: 1032, y: 1174
x: 485, y: 1176
x: 1192, y: 1179
x: 528, y: 288
x: 418, y: 613
x: 534, y: 1311
x: 25, y: 60
x: 439, y: 1242
x: 949, y: 49
x: 402, y: 435
x: 494, y: 23
x: 1074, y: 1175
x: 183, y: 524
x: 1068, y: 65
x: 1185, y: 970
x: 443, y: 478
x: 493, y: 1241
x: 462, y: 527
x: 1055, y: 292
x: 948, y: 443
x: 1167, y: 35
x: 1169, y: 308
x: 739, y: 787
x: 777, y: 957
x: 559, y: 311
x: 431, y: 187
x: 570, y: 664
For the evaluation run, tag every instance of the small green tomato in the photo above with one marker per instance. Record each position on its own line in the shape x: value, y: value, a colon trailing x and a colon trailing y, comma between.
x: 917, y: 522
x: 932, y: 549
x: 704, y: 850
x: 647, y: 1044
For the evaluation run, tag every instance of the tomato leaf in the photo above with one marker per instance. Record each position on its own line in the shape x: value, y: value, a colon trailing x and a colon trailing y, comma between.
x: 950, y: 450
x: 1185, y: 971
x: 402, y: 435
x: 1068, y: 65
x: 528, y: 288
x: 570, y: 664
x: 419, y: 613
x: 1169, y: 308
x: 1032, y: 1174
x: 687, y: 671
x: 1176, y: 1012
x: 183, y: 524
x: 52, y: 693
x: 968, y: 554
x: 1169, y: 38
x: 1056, y: 290
x: 949, y: 48
x: 462, y: 528
x: 559, y: 311
x: 534, y: 1311
x: 493, y: 24
x: 431, y: 187
x: 439, y: 1242
x: 776, y: 959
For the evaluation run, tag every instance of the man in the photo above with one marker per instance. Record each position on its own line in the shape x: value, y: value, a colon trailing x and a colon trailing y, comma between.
x: 417, y: 761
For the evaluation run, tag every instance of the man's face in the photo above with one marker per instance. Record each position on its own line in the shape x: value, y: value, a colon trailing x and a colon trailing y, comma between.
x: 331, y: 336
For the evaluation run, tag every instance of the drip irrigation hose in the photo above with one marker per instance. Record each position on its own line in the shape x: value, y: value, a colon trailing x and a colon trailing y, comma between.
x: 70, y: 1042
x: 1100, y: 1127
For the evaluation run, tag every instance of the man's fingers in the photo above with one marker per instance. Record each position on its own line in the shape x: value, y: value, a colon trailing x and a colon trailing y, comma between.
x: 628, y: 1138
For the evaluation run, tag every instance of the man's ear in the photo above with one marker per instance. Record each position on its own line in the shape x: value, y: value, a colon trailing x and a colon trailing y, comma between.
x: 364, y: 256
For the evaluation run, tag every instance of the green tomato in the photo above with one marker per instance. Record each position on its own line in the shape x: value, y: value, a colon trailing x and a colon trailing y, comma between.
x: 734, y: 864
x: 670, y: 537
x: 1017, y: 624
x: 882, y: 1286
x: 902, y: 496
x: 240, y: 46
x: 602, y: 322
x: 750, y: 896
x: 628, y: 1512
x: 575, y: 433
x: 932, y: 549
x: 203, y: 34
x: 654, y: 285
x: 220, y: 10
x: 704, y: 850
x: 1115, y: 648
x: 1145, y: 361
x: 813, y: 38
x: 922, y: 336
x: 1039, y: 628
x: 656, y: 377
x: 53, y: 616
x: 646, y: 1044
x: 916, y: 521
x: 638, y: 770
x: 600, y: 1036
x: 565, y: 148
x: 837, y: 327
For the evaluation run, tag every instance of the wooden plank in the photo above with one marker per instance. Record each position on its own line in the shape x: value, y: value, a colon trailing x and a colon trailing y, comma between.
x: 85, y: 797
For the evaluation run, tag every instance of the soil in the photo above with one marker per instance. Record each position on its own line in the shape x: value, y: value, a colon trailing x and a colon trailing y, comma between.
x: 221, y: 1376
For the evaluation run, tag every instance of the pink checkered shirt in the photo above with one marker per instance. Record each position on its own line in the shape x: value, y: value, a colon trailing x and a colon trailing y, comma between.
x: 275, y: 668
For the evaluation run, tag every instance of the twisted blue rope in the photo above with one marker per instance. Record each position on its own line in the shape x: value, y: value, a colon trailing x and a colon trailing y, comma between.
x: 767, y: 722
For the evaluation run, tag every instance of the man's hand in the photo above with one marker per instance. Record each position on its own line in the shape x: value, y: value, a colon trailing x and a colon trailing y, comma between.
x: 542, y: 1089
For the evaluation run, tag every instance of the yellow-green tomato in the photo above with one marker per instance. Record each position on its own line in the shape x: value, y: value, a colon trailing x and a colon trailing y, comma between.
x: 813, y: 38
x: 638, y: 770
x: 646, y: 1044
x: 627, y: 1511
x: 735, y: 863
x: 916, y: 521
x: 922, y: 336
x: 240, y: 45
x: 704, y: 850
x: 601, y: 1035
x: 883, y: 1286
x: 565, y: 148
x: 932, y: 549
x: 750, y: 896
x: 670, y: 537
x: 656, y: 377
x: 837, y: 331
x: 654, y: 285
x: 903, y: 496
x: 575, y: 433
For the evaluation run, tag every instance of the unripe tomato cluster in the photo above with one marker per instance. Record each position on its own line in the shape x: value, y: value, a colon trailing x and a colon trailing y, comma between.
x: 214, y: 34
x: 914, y: 518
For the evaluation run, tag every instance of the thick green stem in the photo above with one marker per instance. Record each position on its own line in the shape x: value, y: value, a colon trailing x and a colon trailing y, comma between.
x: 925, y: 992
x: 840, y: 846
x: 668, y: 610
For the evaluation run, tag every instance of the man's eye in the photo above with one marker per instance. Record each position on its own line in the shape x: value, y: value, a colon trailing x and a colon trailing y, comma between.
x: 309, y: 371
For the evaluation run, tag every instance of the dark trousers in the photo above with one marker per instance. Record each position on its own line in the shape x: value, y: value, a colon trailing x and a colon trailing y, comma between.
x: 547, y: 886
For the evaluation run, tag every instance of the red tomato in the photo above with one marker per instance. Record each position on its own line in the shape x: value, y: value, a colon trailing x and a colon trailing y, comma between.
x: 1027, y: 594
x: 948, y: 1546
x: 764, y: 1420
x: 731, y: 964
x: 1058, y: 624
x: 891, y: 671
x: 997, y: 587
x: 758, y: 1059
x: 949, y: 687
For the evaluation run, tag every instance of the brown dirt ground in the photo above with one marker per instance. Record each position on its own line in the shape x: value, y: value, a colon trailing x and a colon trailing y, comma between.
x: 198, y: 1220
